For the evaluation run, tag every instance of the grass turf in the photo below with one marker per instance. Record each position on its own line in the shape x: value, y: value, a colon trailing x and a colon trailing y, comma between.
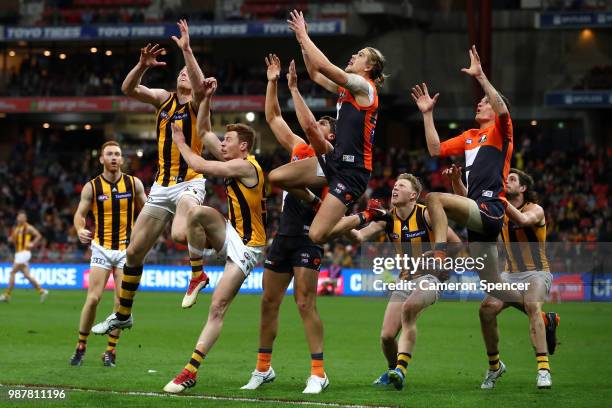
x: 447, y: 367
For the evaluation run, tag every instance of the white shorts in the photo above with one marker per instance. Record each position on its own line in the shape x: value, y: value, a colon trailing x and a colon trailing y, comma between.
x: 431, y: 295
x: 22, y: 257
x: 106, y: 258
x: 246, y: 257
x: 529, y: 276
x: 168, y: 198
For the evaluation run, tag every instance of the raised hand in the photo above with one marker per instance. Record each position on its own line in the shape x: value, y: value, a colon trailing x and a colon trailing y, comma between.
x: 453, y: 172
x: 177, y: 134
x: 149, y: 54
x: 297, y: 24
x: 210, y: 86
x: 182, y: 42
x: 274, y: 67
x: 420, y: 95
x: 475, y: 69
x: 292, y: 76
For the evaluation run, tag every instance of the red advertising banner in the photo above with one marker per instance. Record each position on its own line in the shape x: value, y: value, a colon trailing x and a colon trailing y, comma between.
x: 116, y: 104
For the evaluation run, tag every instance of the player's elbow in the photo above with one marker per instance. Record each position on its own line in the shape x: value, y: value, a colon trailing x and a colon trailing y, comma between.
x: 434, y: 150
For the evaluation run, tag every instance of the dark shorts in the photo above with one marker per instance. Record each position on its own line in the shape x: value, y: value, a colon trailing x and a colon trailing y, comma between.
x: 492, y: 216
x: 288, y: 252
x: 345, y: 183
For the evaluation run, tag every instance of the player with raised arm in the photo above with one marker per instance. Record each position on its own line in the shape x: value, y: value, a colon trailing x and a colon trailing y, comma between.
x: 114, y: 198
x: 177, y: 188
x: 348, y: 166
x: 292, y: 254
x: 239, y: 239
x: 488, y: 151
x: 408, y: 227
x: 24, y: 237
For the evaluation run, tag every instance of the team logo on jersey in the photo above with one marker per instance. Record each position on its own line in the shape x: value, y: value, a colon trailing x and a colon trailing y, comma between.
x: 468, y: 141
x: 103, y: 197
x: 483, y: 138
x: 179, y: 116
x: 394, y: 236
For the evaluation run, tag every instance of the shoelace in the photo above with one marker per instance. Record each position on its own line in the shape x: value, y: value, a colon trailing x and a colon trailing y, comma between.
x: 193, y: 284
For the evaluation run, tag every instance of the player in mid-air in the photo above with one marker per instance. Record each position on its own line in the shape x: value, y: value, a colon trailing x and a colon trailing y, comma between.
x: 177, y: 187
x: 348, y: 166
x: 24, y: 237
x: 292, y: 254
x: 488, y: 151
x: 239, y: 239
x: 408, y: 227
x: 114, y: 198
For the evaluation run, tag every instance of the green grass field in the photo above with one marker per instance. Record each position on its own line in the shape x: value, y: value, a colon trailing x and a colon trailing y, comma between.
x: 449, y: 360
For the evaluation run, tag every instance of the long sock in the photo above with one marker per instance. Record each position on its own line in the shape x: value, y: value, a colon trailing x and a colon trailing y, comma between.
x: 8, y: 292
x: 112, y: 342
x: 197, y: 266
x: 493, y: 361
x: 129, y: 286
x: 403, y: 359
x: 194, y: 363
x: 542, y: 359
x: 264, y: 359
x: 316, y: 365
x: 82, y: 339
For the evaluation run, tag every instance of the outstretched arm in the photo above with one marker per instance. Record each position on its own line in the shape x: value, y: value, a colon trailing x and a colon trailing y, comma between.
x: 426, y: 104
x: 305, y: 117
x: 532, y: 216
x: 373, y: 230
x: 475, y: 71
x: 194, y: 72
x: 232, y: 168
x: 274, y: 117
x: 131, y: 84
x: 209, y: 139
x: 317, y: 63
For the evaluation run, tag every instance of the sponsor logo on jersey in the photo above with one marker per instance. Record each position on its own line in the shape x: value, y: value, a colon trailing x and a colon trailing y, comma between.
x: 414, y: 234
x: 349, y: 158
x: 487, y: 193
x: 123, y: 195
x: 468, y: 141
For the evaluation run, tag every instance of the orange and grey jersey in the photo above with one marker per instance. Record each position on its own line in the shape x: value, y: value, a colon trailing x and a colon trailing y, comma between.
x: 525, y: 246
x: 171, y: 167
x: 246, y: 207
x: 23, y: 237
x: 113, y: 209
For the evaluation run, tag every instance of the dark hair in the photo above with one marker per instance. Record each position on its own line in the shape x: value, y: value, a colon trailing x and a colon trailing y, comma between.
x: 377, y: 60
x: 109, y: 143
x: 332, y: 123
x: 245, y: 133
x: 525, y: 180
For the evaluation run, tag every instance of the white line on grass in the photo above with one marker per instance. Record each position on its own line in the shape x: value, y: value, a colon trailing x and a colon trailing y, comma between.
x: 203, y: 397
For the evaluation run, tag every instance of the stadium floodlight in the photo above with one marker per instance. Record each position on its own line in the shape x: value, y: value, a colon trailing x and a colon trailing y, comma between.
x: 46, y: 125
x: 12, y: 53
x: 47, y: 53
x: 93, y: 50
x: 250, y: 116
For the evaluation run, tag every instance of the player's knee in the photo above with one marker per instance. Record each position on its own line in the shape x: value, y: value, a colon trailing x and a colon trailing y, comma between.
x: 488, y: 310
x: 92, y: 300
x: 533, y: 308
x: 179, y: 236
x: 410, y: 309
x: 316, y: 236
x: 387, y: 337
x: 269, y: 303
x: 134, y: 255
x: 217, y: 309
x: 305, y: 303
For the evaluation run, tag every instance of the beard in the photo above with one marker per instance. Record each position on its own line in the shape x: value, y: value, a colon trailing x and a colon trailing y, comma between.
x: 511, y: 195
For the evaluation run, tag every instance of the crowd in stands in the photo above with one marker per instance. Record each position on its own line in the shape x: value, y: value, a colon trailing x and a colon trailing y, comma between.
x: 88, y: 74
x: 47, y: 177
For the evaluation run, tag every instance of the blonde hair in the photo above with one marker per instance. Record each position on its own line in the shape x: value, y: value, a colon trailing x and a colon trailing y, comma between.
x: 416, y: 184
x: 377, y: 60
x: 109, y: 143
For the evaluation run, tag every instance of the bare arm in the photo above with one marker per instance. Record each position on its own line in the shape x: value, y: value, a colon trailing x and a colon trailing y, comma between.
x: 532, y: 216
x: 37, y: 236
x: 131, y: 84
x: 373, y: 230
x: 307, y: 120
x: 141, y: 196
x: 316, y: 62
x: 454, y: 174
x: 279, y: 127
x: 209, y: 139
x: 426, y: 104
x: 475, y: 71
x: 194, y: 72
x: 233, y: 168
x: 85, y: 236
